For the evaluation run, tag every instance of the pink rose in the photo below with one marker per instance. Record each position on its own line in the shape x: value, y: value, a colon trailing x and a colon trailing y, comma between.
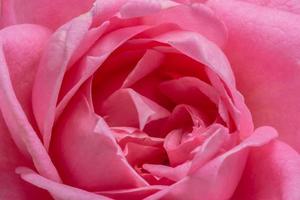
x: 144, y: 99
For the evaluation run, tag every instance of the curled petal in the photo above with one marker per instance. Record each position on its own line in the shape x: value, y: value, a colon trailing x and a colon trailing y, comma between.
x: 212, y: 181
x: 84, y: 146
x: 20, y: 128
x: 61, y: 191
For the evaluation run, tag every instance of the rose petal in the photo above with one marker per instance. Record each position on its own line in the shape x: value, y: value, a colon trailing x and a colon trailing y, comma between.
x: 263, y: 47
x: 193, y: 18
x: 50, y: 13
x: 272, y: 172
x: 11, y: 186
x: 187, y: 86
x: 61, y: 191
x: 85, y: 151
x: 51, y: 70
x: 133, y: 194
x: 216, y: 137
x: 287, y: 5
x: 137, y: 8
x: 218, y: 178
x: 185, y: 117
x: 93, y: 59
x: 22, y: 54
x: 138, y: 111
x: 172, y: 173
x: 130, y: 134
x: 210, y: 148
x: 147, y: 64
x: 138, y: 154
x: 20, y: 128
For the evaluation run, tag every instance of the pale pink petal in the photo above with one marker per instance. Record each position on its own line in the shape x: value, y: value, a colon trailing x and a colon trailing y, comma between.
x: 85, y: 151
x: 272, y: 172
x: 22, y: 55
x: 194, y: 17
x: 20, y: 128
x: 172, y: 173
x: 287, y: 5
x: 264, y: 49
x: 218, y: 178
x: 138, y: 112
x: 61, y: 191
x: 133, y: 194
x: 49, y: 13
x: 11, y: 186
x: 51, y: 70
x: 137, y: 8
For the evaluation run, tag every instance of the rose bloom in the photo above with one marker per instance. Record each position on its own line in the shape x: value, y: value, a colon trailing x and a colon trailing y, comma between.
x: 150, y: 99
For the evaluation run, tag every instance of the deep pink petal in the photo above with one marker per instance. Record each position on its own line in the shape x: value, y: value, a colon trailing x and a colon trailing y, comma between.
x: 264, y: 49
x: 138, y: 112
x: 147, y: 64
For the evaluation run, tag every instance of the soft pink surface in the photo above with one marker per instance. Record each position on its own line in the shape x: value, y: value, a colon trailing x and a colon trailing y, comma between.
x: 49, y: 13
x: 264, y: 49
x: 19, y: 56
x: 137, y: 99
x: 286, y: 5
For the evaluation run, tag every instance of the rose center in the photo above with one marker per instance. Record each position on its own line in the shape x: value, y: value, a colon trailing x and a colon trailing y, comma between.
x: 159, y: 104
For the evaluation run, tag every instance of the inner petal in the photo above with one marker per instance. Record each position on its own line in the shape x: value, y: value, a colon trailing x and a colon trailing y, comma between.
x: 192, y: 91
x: 126, y: 107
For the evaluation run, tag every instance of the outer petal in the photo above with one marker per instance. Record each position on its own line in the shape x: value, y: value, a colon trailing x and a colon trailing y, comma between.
x: 288, y: 5
x: 50, y: 13
x: 264, y: 49
x: 11, y: 186
x: 195, y: 17
x: 272, y: 172
x: 61, y: 191
x: 17, y: 122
